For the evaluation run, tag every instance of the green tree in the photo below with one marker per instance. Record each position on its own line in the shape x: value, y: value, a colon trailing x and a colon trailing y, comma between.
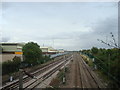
x: 94, y: 50
x: 12, y: 64
x: 16, y: 62
x: 32, y: 53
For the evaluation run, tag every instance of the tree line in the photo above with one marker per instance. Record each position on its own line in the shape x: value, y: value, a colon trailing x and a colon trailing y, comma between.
x: 107, y: 61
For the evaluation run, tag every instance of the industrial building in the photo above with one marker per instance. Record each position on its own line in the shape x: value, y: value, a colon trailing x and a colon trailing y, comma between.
x: 61, y: 50
x: 10, y: 50
x: 48, y: 50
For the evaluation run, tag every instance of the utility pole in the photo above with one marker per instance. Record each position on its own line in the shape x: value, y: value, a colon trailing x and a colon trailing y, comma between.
x: 20, y: 79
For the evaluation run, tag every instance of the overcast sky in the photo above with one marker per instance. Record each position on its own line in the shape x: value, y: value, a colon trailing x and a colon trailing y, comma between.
x: 67, y: 25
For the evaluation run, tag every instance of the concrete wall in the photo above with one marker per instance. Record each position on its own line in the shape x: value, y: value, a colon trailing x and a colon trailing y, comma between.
x: 6, y: 57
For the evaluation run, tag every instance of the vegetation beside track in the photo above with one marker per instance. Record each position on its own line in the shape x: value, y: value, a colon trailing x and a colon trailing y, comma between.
x: 58, y: 81
x: 107, y: 62
x: 87, y: 60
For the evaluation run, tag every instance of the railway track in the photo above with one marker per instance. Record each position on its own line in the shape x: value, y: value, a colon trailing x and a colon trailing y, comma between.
x: 87, y: 78
x: 84, y: 77
x: 43, y: 77
x: 80, y: 75
x: 15, y: 84
x: 95, y: 79
x: 78, y: 79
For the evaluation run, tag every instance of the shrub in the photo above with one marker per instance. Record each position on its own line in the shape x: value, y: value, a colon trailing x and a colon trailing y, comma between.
x: 11, y: 66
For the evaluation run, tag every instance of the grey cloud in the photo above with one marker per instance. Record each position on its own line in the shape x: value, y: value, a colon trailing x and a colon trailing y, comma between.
x: 6, y: 5
x: 106, y: 26
x: 101, y: 30
x: 5, y: 39
x: 89, y: 39
x: 55, y: 36
x: 115, y: 4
